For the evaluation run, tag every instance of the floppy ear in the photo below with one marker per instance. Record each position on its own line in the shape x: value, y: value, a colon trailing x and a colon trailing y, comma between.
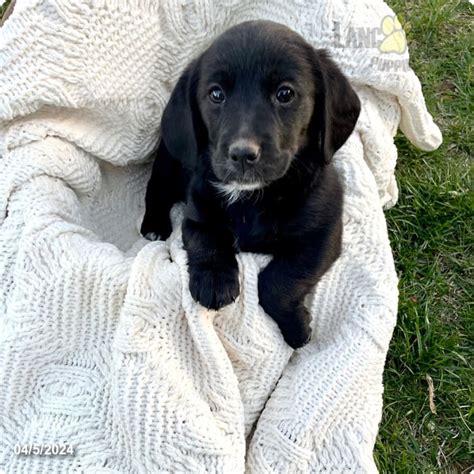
x: 337, y: 106
x: 182, y: 128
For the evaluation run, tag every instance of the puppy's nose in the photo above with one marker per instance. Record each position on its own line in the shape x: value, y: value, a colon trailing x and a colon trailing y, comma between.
x: 244, y: 151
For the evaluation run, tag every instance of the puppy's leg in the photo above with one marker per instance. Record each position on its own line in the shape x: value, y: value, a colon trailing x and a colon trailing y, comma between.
x: 164, y: 189
x: 287, y: 279
x: 213, y: 270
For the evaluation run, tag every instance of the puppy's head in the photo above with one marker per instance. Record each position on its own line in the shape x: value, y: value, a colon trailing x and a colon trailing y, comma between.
x: 255, y: 100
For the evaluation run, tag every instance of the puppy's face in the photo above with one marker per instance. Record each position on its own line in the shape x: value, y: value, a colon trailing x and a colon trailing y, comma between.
x: 256, y: 96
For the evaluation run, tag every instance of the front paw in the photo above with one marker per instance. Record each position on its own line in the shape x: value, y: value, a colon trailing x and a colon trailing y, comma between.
x: 292, y: 317
x: 156, y: 228
x: 294, y: 326
x: 216, y: 287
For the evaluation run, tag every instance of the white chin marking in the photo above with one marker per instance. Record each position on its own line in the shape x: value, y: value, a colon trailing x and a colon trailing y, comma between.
x: 233, y: 190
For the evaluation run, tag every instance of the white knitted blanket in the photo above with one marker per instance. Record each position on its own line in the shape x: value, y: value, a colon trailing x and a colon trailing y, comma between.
x: 101, y: 345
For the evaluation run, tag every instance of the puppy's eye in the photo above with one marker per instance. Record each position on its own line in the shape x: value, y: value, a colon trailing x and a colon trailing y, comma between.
x: 285, y: 94
x: 216, y: 94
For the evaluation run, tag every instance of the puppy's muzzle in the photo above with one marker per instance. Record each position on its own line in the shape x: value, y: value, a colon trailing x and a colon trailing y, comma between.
x: 244, y: 154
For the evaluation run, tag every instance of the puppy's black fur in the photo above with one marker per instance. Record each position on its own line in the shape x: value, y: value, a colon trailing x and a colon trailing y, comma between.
x: 247, y: 140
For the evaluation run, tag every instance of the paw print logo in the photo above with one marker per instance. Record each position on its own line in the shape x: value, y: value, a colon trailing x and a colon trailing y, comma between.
x: 394, y: 37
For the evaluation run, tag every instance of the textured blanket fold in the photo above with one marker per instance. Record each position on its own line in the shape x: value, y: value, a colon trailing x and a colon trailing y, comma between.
x: 101, y: 345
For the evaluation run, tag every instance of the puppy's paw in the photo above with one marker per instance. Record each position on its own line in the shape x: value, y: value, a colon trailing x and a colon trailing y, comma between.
x: 214, y: 288
x: 292, y: 317
x: 294, y: 326
x: 154, y: 228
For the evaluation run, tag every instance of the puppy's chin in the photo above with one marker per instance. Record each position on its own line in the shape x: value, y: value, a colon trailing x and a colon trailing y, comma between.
x: 234, y: 190
x: 236, y: 186
x: 263, y: 173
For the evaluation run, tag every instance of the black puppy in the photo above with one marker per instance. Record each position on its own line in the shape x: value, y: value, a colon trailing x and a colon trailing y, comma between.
x: 247, y: 139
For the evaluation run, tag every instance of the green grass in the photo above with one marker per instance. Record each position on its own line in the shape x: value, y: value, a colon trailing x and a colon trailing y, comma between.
x: 431, y: 231
x: 4, y: 7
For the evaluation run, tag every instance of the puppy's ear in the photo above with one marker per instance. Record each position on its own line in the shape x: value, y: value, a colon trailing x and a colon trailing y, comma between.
x: 182, y: 128
x: 337, y: 106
